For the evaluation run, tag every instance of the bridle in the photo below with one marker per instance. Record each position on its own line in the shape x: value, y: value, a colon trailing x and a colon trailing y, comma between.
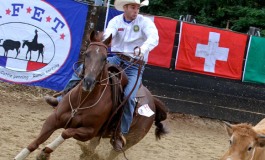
x: 101, y: 44
x: 75, y: 110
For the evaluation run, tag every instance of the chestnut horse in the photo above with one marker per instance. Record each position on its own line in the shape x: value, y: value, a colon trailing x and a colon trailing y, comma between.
x: 86, y: 109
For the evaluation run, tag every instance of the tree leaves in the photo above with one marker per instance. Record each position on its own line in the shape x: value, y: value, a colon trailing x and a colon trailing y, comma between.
x: 241, y: 13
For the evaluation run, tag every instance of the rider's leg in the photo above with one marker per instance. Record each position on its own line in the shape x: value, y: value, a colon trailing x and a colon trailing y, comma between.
x: 129, y: 107
x: 127, y: 116
x: 75, y: 79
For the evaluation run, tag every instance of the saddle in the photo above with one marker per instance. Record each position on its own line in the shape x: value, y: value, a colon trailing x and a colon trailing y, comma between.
x: 118, y: 81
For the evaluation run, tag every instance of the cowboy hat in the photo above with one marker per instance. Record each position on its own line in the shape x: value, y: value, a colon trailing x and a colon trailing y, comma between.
x: 120, y: 3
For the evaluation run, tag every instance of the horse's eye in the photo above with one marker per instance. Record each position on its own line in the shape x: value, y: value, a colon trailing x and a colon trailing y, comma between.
x: 249, y: 149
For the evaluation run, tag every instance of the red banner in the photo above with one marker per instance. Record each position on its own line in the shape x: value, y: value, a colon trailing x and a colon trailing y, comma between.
x: 211, y: 51
x: 161, y: 55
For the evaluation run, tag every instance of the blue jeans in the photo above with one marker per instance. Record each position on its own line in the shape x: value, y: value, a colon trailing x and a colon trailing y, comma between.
x: 131, y: 73
x: 73, y: 80
x: 129, y: 107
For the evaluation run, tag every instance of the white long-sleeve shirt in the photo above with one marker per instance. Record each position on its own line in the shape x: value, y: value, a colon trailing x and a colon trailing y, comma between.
x: 141, y: 32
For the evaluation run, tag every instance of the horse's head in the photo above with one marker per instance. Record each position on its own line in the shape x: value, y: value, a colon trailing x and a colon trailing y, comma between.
x: 24, y: 43
x: 95, y: 59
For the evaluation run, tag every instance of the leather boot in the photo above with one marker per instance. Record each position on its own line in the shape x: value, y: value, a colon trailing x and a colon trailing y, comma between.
x: 118, y: 142
x: 51, y: 101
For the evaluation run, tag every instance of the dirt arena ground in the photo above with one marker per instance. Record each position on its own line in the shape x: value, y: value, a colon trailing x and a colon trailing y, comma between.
x: 23, y: 112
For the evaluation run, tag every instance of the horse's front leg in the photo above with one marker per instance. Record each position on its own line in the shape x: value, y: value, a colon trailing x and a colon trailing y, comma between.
x: 47, y: 129
x: 82, y: 134
x: 27, y: 54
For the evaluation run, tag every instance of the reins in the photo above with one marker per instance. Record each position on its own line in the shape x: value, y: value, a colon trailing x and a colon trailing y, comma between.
x: 74, y: 111
x: 81, y: 102
x: 124, y: 101
x: 133, y: 63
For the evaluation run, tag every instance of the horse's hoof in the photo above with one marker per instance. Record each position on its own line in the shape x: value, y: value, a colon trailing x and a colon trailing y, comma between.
x: 43, y: 156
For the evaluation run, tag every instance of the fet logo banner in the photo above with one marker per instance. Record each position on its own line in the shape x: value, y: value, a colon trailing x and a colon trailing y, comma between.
x: 40, y: 40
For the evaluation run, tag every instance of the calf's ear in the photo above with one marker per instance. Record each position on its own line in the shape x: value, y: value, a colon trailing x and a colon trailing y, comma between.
x: 261, y: 140
x: 229, y: 128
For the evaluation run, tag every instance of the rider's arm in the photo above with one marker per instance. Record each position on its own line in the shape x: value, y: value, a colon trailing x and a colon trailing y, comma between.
x: 111, y: 29
x: 150, y: 31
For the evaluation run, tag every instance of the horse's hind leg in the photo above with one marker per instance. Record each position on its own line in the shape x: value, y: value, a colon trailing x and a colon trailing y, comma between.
x: 113, y: 154
x: 88, y: 149
x: 39, y: 57
x: 17, y: 52
x: 42, y: 56
x: 30, y: 55
x: 133, y: 137
x: 47, y: 129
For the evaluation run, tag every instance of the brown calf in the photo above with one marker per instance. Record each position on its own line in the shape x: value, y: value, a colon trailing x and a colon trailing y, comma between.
x: 246, y: 141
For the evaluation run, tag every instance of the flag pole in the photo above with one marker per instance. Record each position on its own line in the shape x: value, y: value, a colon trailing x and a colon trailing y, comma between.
x: 107, y: 14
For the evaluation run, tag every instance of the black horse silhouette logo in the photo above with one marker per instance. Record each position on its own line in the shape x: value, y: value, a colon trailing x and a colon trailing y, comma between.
x: 34, y: 46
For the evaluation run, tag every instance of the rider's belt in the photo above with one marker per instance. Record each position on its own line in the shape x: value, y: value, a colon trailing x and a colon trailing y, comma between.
x: 131, y: 60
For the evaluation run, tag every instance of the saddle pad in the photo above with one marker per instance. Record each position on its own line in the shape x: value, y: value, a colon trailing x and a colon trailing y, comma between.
x: 141, y: 91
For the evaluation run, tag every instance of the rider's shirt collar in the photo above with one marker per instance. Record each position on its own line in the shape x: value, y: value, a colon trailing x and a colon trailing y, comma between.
x: 126, y: 20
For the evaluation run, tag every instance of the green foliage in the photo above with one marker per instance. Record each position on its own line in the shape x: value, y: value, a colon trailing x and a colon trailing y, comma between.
x: 240, y: 13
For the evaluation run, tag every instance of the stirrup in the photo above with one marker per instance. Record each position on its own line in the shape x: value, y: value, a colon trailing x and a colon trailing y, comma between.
x: 123, y: 139
x: 118, y: 142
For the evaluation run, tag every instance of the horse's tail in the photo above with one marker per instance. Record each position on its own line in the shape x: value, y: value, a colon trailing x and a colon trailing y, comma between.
x: 161, y: 115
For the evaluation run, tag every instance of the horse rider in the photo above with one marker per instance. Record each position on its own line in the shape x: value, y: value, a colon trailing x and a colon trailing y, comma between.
x: 129, y: 31
x: 35, y: 39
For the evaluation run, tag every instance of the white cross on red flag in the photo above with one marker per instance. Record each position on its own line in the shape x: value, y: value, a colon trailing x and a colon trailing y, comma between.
x: 211, y: 51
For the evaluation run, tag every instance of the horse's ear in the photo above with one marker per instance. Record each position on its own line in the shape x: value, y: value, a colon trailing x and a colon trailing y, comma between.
x: 96, y: 36
x: 92, y: 36
x: 107, y: 41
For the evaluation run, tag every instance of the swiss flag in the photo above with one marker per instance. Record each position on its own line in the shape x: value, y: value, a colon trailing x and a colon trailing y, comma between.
x: 211, y: 51
x: 162, y: 53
